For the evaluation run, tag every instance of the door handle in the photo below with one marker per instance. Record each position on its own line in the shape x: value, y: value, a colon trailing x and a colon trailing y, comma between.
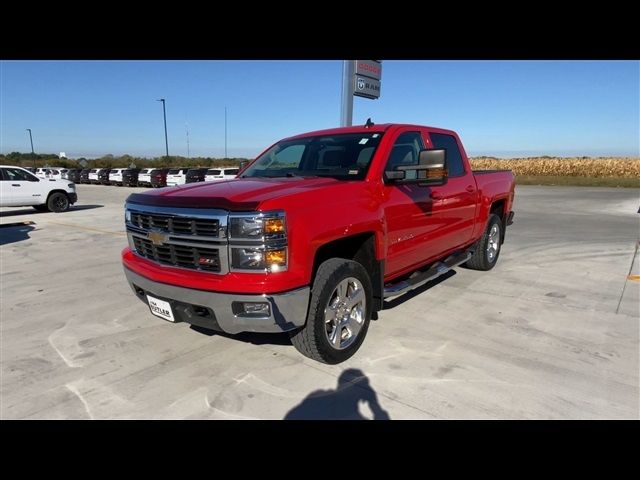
x: 16, y: 185
x: 470, y: 189
x: 436, y: 196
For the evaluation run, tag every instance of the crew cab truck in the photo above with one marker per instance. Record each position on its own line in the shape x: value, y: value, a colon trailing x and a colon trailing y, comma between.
x: 316, y: 233
x: 21, y: 188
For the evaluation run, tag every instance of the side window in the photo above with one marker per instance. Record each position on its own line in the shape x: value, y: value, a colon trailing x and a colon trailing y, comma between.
x: 17, y: 175
x: 405, y: 150
x: 3, y: 175
x: 455, y: 166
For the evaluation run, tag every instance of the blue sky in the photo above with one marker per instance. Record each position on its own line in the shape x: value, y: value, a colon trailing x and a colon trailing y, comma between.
x: 503, y: 108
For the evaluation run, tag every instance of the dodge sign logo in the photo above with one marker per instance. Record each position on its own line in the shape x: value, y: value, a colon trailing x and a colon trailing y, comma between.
x: 157, y: 238
x: 360, y: 84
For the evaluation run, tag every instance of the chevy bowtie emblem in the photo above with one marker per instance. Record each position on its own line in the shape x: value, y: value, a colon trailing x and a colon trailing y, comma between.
x: 157, y: 238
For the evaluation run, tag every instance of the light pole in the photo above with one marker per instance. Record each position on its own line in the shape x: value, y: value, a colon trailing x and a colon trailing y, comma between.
x: 225, y: 132
x: 31, y: 140
x: 164, y: 112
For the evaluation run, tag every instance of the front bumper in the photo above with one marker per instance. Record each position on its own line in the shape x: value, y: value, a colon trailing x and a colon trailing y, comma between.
x: 213, y: 310
x: 73, y: 198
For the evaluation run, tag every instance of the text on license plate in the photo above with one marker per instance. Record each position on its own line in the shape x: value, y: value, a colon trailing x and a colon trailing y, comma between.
x: 160, y: 308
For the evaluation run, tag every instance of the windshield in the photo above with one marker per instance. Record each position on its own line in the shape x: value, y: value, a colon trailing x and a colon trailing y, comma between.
x: 345, y: 157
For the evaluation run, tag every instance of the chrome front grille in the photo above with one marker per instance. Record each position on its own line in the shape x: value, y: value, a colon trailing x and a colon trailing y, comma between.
x: 182, y: 225
x: 194, y: 239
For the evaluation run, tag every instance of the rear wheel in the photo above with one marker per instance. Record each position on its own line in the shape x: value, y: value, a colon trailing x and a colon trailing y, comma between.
x: 339, y: 312
x: 487, y: 248
x: 58, y: 202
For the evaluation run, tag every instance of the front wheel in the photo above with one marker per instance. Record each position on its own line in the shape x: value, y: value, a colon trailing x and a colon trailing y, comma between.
x: 58, y: 202
x: 487, y: 248
x: 339, y: 312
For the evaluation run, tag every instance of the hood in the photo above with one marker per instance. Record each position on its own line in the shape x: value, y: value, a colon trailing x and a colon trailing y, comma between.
x: 240, y: 194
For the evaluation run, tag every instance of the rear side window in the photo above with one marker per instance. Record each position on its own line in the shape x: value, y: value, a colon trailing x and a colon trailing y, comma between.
x: 213, y: 172
x: 231, y: 171
x: 453, y: 155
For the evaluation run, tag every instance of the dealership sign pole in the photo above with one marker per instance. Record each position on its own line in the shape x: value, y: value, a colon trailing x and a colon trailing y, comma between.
x: 360, y: 78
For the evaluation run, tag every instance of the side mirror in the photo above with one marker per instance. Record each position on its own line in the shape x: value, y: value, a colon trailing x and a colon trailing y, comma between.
x: 430, y: 170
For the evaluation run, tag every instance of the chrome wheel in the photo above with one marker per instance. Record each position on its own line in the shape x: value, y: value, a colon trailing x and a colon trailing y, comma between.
x: 493, y: 243
x: 345, y: 313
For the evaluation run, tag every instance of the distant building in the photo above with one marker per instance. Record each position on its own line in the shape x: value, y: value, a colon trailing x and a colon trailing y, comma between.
x: 62, y: 155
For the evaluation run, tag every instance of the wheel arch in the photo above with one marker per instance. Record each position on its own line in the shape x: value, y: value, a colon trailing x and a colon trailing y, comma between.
x: 361, y: 248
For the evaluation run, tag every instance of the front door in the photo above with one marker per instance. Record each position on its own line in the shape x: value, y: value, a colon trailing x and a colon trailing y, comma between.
x: 414, y: 221
x: 20, y: 188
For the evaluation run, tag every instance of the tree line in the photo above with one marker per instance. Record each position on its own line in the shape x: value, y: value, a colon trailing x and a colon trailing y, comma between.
x: 51, y: 160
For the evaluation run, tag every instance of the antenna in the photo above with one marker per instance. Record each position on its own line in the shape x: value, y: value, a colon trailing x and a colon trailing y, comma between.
x: 186, y: 125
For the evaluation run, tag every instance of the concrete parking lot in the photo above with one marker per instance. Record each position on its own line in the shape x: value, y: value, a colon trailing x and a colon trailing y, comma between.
x: 551, y: 333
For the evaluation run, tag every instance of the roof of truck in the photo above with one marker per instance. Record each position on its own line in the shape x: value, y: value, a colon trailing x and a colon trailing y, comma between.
x: 364, y: 129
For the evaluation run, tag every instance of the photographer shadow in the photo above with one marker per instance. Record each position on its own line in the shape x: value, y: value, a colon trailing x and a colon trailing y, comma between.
x: 342, y: 403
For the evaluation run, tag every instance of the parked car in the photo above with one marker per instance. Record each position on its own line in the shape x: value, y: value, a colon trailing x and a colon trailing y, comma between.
x: 195, y: 175
x: 63, y: 173
x: 84, y: 175
x: 103, y: 176
x: 144, y: 177
x: 73, y: 175
x: 130, y: 177
x: 316, y: 233
x: 158, y: 177
x: 214, y: 174
x: 21, y: 188
x: 177, y: 176
x: 115, y: 176
x: 93, y: 175
x: 49, y: 172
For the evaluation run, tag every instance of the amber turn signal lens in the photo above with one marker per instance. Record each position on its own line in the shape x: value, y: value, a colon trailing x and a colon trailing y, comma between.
x: 274, y: 225
x: 277, y: 257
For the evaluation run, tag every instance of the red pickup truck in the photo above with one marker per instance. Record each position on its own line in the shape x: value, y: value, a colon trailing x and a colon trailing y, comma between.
x: 315, y: 233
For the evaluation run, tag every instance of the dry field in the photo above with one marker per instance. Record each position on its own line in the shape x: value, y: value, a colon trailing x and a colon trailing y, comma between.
x: 600, y: 167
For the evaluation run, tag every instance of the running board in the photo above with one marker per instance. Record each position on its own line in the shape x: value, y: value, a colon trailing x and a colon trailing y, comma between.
x: 439, y: 268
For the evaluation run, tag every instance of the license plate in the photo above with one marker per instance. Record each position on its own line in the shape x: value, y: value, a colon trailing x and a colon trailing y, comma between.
x: 160, y: 308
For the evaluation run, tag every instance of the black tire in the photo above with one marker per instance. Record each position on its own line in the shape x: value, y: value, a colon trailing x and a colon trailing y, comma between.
x: 58, y: 202
x: 312, y: 339
x: 481, y: 259
x: 41, y: 208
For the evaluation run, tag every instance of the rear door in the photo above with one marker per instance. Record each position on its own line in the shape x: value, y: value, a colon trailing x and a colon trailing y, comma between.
x: 456, y: 200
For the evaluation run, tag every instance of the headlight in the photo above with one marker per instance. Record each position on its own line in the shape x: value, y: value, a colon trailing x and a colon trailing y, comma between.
x: 72, y: 186
x: 258, y: 242
x: 259, y: 226
x: 127, y: 216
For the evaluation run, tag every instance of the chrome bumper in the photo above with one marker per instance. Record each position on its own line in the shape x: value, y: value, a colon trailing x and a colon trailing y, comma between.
x: 213, y: 310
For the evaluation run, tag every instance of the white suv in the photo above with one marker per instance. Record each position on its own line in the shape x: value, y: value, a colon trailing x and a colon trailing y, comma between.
x: 21, y: 188
x: 215, y: 174
x: 144, y: 177
x: 115, y: 176
x: 177, y: 176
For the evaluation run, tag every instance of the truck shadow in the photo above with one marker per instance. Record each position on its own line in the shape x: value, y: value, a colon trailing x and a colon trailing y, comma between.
x: 15, y: 232
x: 343, y: 403
x: 32, y: 211
x: 283, y: 338
x: 412, y: 293
x: 248, y: 337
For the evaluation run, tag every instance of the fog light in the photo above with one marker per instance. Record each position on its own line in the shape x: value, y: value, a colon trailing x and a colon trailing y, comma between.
x: 251, y: 309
